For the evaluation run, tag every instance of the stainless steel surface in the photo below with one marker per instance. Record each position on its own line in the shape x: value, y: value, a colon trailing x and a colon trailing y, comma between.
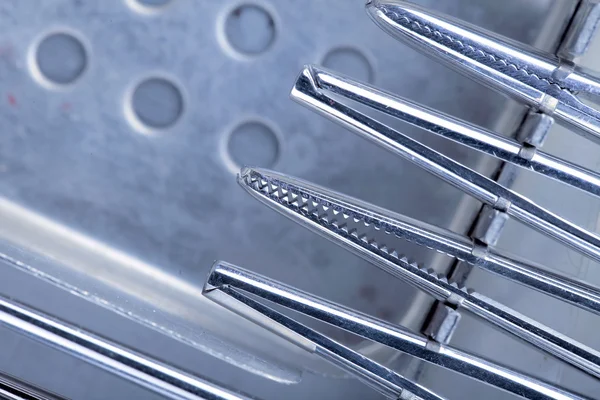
x: 538, y: 79
x: 140, y: 369
x: 100, y: 197
x: 491, y: 223
x: 382, y: 379
x: 233, y: 281
x: 330, y: 215
x: 307, y: 92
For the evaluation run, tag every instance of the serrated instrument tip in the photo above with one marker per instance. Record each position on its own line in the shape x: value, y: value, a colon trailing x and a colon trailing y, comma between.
x: 541, y: 80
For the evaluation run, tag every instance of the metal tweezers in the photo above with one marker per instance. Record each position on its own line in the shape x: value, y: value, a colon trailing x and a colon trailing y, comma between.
x: 353, y: 224
x: 311, y: 90
x: 541, y: 80
x: 537, y: 79
x: 237, y: 289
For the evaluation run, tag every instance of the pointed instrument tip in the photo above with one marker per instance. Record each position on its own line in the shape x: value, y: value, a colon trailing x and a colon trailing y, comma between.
x: 212, y: 281
x: 400, y: 18
x: 398, y: 12
x: 244, y: 177
x: 253, y: 179
x: 253, y: 172
x: 245, y: 172
x: 306, y: 82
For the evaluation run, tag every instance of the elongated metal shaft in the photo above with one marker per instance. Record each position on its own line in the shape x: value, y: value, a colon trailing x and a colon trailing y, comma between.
x: 137, y: 368
x: 232, y: 279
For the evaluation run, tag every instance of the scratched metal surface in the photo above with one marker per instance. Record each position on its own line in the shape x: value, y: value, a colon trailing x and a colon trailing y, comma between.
x: 127, y: 209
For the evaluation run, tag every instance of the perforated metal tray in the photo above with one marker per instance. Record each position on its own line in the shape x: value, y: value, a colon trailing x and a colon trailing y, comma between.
x: 123, y: 125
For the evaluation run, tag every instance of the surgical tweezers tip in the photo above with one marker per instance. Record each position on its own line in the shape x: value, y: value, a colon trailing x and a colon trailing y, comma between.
x: 306, y: 81
x: 245, y: 172
x: 209, y: 284
x: 213, y: 281
x: 248, y: 174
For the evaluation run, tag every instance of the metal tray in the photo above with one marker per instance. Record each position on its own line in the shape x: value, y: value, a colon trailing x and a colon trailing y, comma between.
x: 123, y: 124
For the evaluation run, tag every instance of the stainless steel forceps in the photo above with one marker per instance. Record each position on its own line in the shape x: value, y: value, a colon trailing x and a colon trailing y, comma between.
x: 233, y: 287
x: 544, y: 82
x: 311, y: 90
x: 354, y: 224
x: 541, y: 80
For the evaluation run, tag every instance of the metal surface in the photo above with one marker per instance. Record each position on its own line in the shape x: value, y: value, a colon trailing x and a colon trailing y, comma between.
x: 270, y: 187
x: 137, y: 368
x: 103, y: 200
x: 76, y: 379
x: 331, y: 215
x: 231, y: 280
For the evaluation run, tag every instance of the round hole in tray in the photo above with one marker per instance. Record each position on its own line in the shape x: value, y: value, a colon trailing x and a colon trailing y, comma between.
x: 156, y: 103
x: 252, y: 143
x: 351, y: 62
x: 58, y: 59
x: 249, y: 29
